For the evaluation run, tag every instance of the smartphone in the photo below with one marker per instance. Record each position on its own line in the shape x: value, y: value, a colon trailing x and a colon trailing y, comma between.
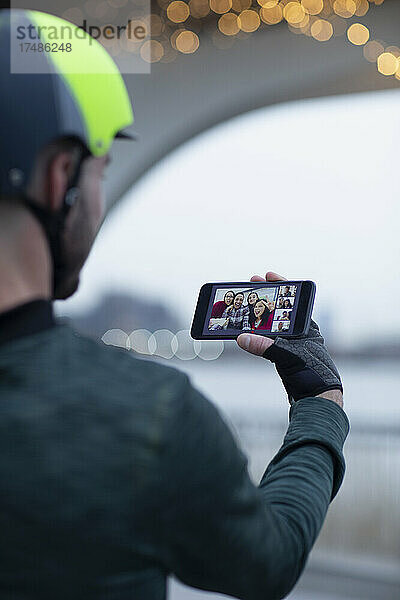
x: 281, y: 308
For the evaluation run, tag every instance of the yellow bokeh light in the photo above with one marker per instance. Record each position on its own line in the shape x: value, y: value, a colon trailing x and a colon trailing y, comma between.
x: 397, y: 74
x: 132, y: 43
x: 358, y: 34
x: 174, y: 35
x: 312, y: 7
x: 362, y: 8
x: 293, y: 12
x: 395, y: 50
x: 303, y: 16
x: 170, y: 52
x: 199, y: 8
x: 301, y: 25
x: 187, y: 42
x: 239, y: 5
x: 305, y: 26
x: 178, y: 11
x: 228, y: 24
x: 322, y: 30
x: 268, y: 3
x: 249, y: 21
x: 372, y: 50
x: 157, y: 25
x: 271, y: 16
x: 345, y: 8
x: 220, y: 6
x: 152, y: 51
x: 387, y: 63
x: 327, y: 10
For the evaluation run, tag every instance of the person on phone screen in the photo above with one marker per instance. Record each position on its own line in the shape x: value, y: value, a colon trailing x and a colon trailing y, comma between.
x: 237, y: 313
x: 117, y: 472
x: 286, y: 292
x: 219, y: 307
x: 262, y: 318
x: 252, y: 299
x: 287, y: 303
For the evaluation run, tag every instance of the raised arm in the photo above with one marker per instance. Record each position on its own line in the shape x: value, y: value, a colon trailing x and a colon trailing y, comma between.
x: 219, y: 531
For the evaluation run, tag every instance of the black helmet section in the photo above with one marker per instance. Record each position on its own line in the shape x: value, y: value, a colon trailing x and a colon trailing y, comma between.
x: 35, y: 109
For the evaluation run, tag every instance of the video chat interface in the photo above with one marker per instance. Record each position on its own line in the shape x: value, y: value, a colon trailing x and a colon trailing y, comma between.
x: 265, y: 309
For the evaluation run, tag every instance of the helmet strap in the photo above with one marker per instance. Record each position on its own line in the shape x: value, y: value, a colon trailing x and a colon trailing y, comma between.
x: 53, y: 223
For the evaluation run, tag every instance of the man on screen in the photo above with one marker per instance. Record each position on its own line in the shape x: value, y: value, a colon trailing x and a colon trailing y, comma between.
x: 237, y: 315
x: 286, y: 292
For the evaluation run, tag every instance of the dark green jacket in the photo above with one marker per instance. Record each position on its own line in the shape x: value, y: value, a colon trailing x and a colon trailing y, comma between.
x: 116, y: 472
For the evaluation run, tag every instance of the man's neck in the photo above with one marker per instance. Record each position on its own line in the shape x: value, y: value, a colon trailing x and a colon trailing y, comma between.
x: 25, y: 263
x: 19, y: 285
x: 10, y: 301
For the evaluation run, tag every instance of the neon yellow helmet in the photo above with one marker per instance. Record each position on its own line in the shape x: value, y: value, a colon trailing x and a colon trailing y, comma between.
x: 79, y: 93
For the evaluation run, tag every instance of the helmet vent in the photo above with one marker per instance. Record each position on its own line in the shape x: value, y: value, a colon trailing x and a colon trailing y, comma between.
x: 16, y: 177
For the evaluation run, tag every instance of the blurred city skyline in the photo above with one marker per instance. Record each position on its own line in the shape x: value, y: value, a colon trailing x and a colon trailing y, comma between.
x: 307, y: 189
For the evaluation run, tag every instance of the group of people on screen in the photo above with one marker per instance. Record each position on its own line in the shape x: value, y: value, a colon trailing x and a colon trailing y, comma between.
x: 250, y: 312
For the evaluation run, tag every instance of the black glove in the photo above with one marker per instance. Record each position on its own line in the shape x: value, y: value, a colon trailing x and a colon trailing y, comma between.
x: 304, y: 365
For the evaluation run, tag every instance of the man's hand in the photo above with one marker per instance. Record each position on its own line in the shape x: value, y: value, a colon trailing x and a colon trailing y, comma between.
x: 303, y: 364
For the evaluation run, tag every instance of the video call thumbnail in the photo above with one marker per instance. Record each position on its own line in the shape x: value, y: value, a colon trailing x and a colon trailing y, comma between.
x: 262, y: 309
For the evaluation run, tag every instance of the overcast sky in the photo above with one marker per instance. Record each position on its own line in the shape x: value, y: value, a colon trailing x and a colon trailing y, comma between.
x: 309, y: 189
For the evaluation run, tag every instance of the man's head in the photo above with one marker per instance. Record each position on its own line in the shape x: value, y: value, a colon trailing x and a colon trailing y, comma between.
x: 49, y: 183
x: 57, y: 129
x: 238, y: 300
x: 252, y: 298
x: 47, y: 188
x: 228, y: 298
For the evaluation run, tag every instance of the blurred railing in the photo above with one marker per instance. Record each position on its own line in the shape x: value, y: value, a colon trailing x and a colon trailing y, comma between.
x: 365, y: 516
x: 359, y: 546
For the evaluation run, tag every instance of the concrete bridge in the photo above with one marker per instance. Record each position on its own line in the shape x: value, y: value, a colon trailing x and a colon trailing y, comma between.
x: 179, y: 100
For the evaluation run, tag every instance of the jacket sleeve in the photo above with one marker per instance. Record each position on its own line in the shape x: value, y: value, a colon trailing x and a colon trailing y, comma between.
x: 222, y: 533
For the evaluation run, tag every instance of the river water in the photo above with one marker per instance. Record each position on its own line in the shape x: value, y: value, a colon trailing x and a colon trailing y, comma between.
x: 371, y: 388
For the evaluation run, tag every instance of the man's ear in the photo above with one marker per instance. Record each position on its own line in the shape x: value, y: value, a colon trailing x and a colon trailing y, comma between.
x: 59, y: 172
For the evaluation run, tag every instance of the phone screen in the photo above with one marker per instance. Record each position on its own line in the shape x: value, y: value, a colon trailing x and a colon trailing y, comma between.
x: 262, y: 308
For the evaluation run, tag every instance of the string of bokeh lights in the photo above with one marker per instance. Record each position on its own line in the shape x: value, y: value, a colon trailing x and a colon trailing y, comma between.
x: 177, y: 26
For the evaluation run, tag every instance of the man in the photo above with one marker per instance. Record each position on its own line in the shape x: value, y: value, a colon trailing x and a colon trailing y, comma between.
x: 237, y: 314
x: 116, y: 471
x: 286, y: 292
